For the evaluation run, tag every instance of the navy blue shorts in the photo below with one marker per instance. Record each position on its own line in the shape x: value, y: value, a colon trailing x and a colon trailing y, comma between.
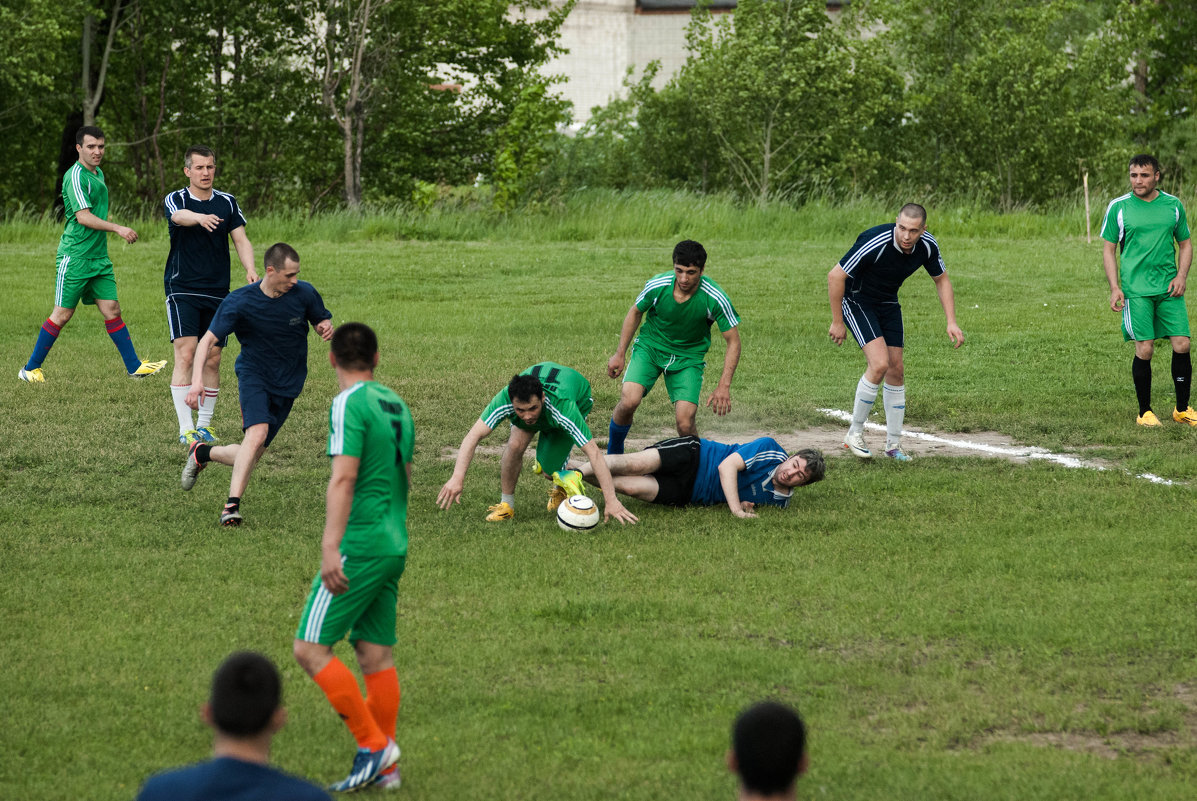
x: 260, y: 405
x: 679, y: 468
x: 867, y: 320
x: 189, y: 315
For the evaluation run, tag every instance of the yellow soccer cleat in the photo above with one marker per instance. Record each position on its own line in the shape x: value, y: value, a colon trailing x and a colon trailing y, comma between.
x: 500, y: 511
x: 570, y: 481
x: 33, y: 376
x: 556, y: 496
x: 1187, y: 416
x: 147, y: 369
x: 1149, y: 420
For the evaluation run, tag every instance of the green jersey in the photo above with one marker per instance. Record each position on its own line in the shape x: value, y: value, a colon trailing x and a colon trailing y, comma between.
x: 683, y: 329
x: 372, y: 423
x: 83, y: 189
x: 567, y: 401
x: 1145, y: 231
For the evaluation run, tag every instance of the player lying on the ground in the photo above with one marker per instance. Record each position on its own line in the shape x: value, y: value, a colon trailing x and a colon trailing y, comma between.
x: 687, y: 470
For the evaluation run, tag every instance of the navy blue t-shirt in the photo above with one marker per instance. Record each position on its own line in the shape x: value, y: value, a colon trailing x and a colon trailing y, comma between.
x: 199, y: 259
x: 228, y: 779
x: 273, y: 333
x: 755, y: 482
x: 876, y: 266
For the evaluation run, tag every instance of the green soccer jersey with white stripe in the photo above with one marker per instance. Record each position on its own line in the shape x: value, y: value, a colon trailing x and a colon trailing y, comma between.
x: 83, y: 189
x: 567, y: 401
x: 1146, y: 233
x: 683, y: 329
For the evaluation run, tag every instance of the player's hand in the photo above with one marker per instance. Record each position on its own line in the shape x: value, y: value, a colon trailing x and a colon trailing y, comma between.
x: 617, y: 510
x: 615, y: 366
x: 745, y: 510
x: 251, y: 275
x: 1117, y: 300
x: 193, y: 395
x: 1176, y: 288
x: 838, y: 333
x: 332, y: 576
x: 956, y: 335
x: 450, y: 493
x: 720, y: 401
x: 209, y: 222
x: 325, y: 329
x: 127, y: 234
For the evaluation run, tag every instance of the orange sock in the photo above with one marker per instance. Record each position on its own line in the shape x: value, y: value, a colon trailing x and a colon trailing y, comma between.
x: 342, y: 691
x: 382, y: 699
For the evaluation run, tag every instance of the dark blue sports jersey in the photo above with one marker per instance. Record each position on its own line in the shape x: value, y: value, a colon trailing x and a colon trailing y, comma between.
x: 228, y: 779
x: 876, y: 266
x: 273, y: 333
x: 199, y: 260
x: 761, y: 457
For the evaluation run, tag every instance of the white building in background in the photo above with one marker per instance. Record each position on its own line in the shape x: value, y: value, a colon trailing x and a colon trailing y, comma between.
x: 606, y: 37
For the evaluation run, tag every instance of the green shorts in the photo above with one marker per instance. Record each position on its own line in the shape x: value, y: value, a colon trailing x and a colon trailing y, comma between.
x: 366, y: 611
x: 683, y: 383
x: 1152, y: 317
x: 552, y: 450
x: 86, y: 280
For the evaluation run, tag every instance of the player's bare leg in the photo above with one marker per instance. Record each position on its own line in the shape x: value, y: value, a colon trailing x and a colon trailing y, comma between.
x: 640, y: 463
x: 513, y: 459
x: 246, y: 457
x: 630, y: 396
x: 686, y: 414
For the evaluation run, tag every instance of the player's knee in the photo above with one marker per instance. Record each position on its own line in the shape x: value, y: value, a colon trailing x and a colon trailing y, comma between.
x: 686, y: 427
x: 1180, y: 345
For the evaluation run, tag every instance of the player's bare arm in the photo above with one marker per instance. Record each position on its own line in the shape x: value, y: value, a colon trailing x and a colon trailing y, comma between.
x: 87, y: 219
x: 1184, y: 260
x: 339, y: 501
x: 245, y: 253
x: 837, y: 280
x: 612, y: 507
x: 206, y: 343
x: 631, y: 323
x: 1109, y: 260
x: 720, y: 400
x: 947, y: 299
x: 451, y: 492
x: 729, y: 473
x: 188, y: 219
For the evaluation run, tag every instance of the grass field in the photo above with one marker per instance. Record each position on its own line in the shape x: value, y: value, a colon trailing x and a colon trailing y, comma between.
x: 954, y: 628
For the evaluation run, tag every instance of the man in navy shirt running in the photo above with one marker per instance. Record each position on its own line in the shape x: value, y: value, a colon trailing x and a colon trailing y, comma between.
x: 270, y: 318
x: 863, y: 290
x: 685, y: 471
x: 201, y: 221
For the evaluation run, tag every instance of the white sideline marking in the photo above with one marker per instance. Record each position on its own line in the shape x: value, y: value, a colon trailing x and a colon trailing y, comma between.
x: 1026, y: 452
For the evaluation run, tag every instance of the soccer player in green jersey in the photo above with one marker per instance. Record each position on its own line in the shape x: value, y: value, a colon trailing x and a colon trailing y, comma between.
x: 550, y: 400
x: 84, y: 269
x: 1148, y: 287
x: 677, y: 309
x: 362, y: 555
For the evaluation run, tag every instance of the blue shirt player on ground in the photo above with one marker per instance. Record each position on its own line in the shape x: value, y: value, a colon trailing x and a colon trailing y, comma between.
x: 84, y: 269
x: 270, y: 318
x: 201, y: 221
x: 863, y: 291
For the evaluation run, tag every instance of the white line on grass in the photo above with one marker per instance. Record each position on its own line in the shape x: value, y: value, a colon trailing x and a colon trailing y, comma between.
x: 1025, y: 452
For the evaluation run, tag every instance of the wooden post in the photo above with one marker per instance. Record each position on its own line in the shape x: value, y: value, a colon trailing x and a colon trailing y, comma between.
x: 1088, y: 233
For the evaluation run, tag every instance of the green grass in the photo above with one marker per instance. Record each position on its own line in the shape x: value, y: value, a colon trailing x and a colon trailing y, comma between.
x: 951, y: 628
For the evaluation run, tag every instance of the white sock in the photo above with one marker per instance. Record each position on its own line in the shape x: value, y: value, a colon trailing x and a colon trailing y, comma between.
x: 507, y: 499
x: 866, y: 394
x: 207, y: 406
x: 895, y: 412
x: 178, y: 393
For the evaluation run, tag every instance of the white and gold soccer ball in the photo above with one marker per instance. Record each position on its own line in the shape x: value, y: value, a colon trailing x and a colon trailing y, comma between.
x: 577, y: 513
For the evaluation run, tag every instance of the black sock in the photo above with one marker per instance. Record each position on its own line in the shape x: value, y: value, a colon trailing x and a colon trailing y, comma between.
x: 1141, y: 373
x: 1182, y: 377
x: 233, y: 503
x: 203, y: 453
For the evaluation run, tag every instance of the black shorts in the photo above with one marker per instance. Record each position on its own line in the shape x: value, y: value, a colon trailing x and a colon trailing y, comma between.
x: 869, y: 319
x: 260, y: 405
x: 189, y: 315
x: 679, y: 468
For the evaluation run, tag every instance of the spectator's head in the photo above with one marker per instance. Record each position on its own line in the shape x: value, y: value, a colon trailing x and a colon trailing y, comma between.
x: 246, y: 700
x: 768, y: 750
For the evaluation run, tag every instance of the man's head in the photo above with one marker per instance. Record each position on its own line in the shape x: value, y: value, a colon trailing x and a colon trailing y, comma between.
x: 527, y: 397
x: 89, y: 144
x: 246, y: 700
x: 768, y: 750
x: 911, y: 223
x: 1144, y: 175
x: 689, y: 260
x: 354, y: 347
x: 199, y: 165
x: 801, y: 468
x: 282, y: 268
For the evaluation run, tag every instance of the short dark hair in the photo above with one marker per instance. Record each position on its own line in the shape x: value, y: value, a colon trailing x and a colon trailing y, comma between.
x: 768, y: 740
x: 88, y: 130
x: 914, y: 211
x: 689, y: 253
x: 198, y: 150
x: 278, y: 254
x: 354, y: 346
x: 524, y: 387
x: 1145, y: 160
x: 246, y: 691
x: 815, y: 466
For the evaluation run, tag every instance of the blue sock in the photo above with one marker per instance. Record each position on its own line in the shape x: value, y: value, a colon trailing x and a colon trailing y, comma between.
x: 616, y: 434
x: 41, y: 349
x: 124, y: 343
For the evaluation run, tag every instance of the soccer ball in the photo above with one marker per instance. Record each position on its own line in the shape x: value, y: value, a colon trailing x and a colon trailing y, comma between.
x: 577, y: 513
